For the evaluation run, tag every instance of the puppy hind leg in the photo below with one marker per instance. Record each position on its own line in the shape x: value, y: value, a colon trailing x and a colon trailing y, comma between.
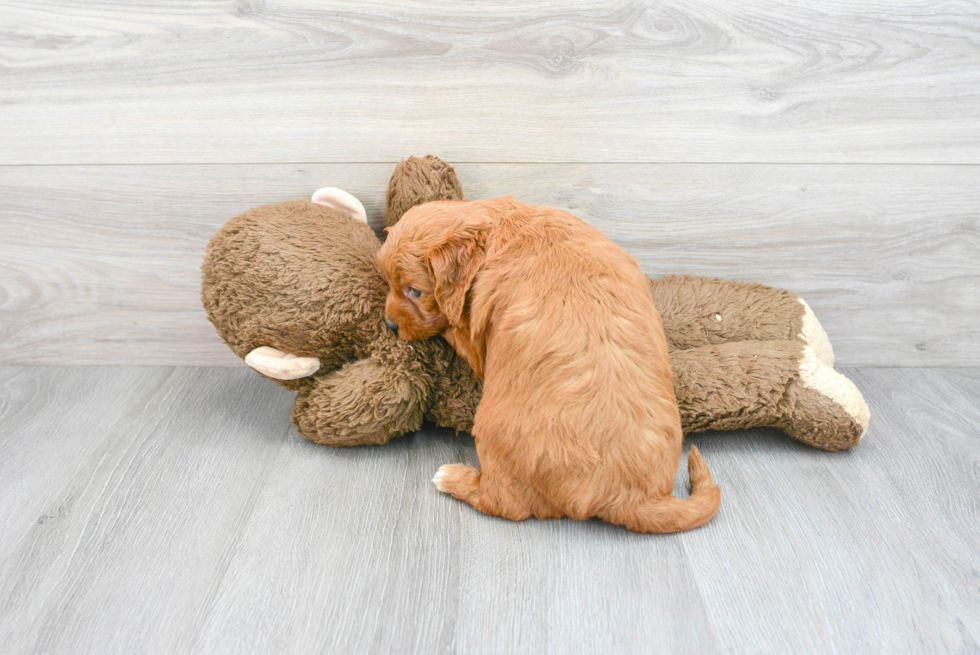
x: 460, y: 481
x: 468, y: 484
x: 669, y: 513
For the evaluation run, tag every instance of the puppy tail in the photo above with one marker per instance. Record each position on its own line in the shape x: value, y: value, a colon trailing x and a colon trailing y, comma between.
x: 672, y: 514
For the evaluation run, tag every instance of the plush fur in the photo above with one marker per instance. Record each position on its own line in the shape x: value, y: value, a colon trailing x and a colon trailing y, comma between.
x: 303, y: 278
x: 578, y: 416
x: 418, y: 180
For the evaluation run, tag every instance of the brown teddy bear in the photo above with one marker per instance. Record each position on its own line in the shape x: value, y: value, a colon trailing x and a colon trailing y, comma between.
x: 294, y: 289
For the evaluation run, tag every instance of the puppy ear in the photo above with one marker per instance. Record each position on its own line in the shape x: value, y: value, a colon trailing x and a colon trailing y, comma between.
x: 454, y: 264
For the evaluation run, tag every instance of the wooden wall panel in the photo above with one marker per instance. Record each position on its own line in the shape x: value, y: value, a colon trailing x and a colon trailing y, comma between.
x: 99, y: 264
x: 705, y: 80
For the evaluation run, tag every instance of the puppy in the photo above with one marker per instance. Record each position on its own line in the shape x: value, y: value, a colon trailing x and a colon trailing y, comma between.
x: 578, y: 416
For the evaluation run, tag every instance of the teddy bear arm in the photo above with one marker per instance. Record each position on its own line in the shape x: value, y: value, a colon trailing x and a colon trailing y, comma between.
x: 456, y: 394
x: 364, y: 402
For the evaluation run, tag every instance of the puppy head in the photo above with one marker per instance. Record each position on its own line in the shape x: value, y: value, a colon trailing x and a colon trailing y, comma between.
x: 430, y: 259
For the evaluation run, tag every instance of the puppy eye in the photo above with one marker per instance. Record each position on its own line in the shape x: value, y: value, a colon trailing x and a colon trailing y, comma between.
x: 413, y: 292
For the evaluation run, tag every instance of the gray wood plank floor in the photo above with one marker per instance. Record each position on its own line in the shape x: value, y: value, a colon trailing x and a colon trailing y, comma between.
x: 175, y: 510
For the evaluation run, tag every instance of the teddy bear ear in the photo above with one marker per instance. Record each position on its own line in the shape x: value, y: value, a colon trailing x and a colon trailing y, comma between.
x: 340, y: 199
x: 418, y: 180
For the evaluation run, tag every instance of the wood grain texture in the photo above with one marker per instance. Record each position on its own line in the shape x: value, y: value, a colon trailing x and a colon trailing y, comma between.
x: 100, y: 264
x: 594, y: 80
x: 165, y: 510
x: 130, y: 487
x: 159, y: 510
x: 869, y: 550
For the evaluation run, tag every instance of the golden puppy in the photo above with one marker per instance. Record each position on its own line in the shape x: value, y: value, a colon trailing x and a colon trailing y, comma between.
x: 578, y: 416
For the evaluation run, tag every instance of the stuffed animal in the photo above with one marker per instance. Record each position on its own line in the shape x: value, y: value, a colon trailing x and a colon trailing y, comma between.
x: 294, y: 289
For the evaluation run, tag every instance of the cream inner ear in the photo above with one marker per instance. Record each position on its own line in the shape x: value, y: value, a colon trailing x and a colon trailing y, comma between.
x: 281, y: 366
x: 340, y: 199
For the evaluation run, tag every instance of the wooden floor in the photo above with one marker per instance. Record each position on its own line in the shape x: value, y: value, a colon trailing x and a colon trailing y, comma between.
x: 167, y: 510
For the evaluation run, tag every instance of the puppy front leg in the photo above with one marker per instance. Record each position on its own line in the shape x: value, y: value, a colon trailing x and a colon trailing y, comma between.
x: 481, y: 491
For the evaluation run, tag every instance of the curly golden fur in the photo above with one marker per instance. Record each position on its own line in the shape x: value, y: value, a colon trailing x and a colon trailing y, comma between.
x: 578, y: 416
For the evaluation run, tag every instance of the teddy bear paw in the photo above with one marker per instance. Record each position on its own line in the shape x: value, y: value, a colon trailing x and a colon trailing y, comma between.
x: 824, y: 408
x: 340, y: 199
x: 278, y: 365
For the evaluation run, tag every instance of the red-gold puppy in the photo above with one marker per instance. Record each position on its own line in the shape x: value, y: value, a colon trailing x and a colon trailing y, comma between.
x: 578, y: 416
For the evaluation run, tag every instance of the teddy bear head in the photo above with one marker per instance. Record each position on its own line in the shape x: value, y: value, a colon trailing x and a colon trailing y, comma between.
x: 294, y: 288
x: 300, y: 278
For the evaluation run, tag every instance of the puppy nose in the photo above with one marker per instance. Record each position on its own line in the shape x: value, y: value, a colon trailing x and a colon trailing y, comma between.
x: 391, y: 324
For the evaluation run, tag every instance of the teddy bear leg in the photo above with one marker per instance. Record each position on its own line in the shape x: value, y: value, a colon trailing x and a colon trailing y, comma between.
x: 768, y: 383
x: 734, y: 385
x: 822, y: 407
x: 364, y: 402
x: 700, y: 311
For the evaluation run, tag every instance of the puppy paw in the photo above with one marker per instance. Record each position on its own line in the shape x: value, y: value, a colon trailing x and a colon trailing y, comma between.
x: 459, y: 480
x: 814, y: 335
x: 278, y: 365
x: 340, y: 199
x: 439, y: 479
